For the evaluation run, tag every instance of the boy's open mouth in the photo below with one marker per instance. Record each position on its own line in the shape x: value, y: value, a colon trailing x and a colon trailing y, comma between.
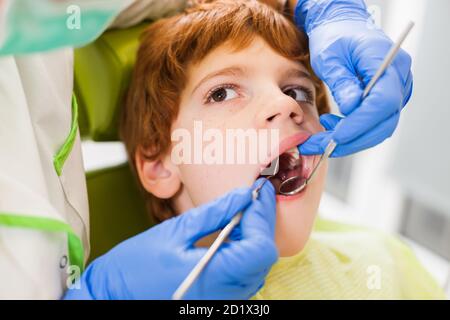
x: 291, y: 164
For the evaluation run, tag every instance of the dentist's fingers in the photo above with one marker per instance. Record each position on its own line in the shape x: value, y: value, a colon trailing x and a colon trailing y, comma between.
x: 329, y: 121
x: 375, y: 113
x: 314, y: 144
x: 199, y: 222
x: 400, y: 66
x: 384, y: 100
x: 340, y: 77
x: 226, y: 269
x: 246, y: 262
x: 236, y: 233
x: 370, y: 139
x: 318, y: 142
x: 259, y: 218
x: 256, y: 251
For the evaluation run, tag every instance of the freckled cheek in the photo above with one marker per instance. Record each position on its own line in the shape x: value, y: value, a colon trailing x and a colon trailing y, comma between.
x: 207, y: 182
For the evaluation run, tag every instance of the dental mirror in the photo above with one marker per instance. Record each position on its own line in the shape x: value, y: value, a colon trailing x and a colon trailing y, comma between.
x: 296, y: 184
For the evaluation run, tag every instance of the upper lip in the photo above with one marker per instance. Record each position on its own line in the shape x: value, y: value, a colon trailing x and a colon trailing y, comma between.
x: 286, y: 144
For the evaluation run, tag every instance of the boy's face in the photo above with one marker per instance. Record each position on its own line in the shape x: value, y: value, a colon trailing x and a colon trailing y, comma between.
x: 257, y: 89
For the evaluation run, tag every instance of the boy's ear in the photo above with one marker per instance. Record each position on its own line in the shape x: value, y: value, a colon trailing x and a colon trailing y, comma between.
x: 159, y: 177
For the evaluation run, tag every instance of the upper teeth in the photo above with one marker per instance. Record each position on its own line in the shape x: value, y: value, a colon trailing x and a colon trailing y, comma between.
x: 294, y: 152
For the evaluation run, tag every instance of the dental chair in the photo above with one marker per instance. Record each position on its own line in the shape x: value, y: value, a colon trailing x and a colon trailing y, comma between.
x: 102, y: 73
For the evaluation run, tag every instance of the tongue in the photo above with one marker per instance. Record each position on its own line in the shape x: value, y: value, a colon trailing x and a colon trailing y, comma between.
x: 289, y: 167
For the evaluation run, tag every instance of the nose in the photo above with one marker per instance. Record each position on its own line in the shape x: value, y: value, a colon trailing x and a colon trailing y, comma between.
x: 277, y: 110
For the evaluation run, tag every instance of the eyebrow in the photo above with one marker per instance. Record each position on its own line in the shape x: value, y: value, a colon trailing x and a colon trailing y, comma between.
x: 230, y: 71
x: 296, y: 73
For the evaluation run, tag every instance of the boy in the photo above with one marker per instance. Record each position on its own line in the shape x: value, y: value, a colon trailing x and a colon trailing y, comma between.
x: 241, y: 65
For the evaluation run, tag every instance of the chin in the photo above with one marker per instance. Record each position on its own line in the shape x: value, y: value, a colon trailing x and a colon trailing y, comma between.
x: 288, y: 247
x: 293, y: 227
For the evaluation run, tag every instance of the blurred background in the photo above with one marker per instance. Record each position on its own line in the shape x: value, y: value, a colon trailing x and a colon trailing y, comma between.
x: 403, y: 185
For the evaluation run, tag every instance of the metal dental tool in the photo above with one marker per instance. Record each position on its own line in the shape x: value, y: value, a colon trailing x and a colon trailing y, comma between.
x: 193, y: 275
x: 294, y: 185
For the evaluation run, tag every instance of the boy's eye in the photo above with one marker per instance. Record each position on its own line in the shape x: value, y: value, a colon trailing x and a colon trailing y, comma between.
x: 299, y: 94
x: 222, y: 94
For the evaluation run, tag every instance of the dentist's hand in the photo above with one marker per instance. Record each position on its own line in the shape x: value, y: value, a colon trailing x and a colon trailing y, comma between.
x: 346, y: 50
x: 152, y: 264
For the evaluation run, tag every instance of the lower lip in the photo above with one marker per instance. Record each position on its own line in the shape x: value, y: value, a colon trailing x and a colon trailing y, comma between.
x: 282, y: 198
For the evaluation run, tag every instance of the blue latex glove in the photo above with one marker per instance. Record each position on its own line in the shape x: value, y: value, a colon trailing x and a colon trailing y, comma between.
x: 152, y: 264
x: 345, y: 47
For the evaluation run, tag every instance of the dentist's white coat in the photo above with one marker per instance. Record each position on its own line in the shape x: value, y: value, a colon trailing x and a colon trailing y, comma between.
x: 35, y: 122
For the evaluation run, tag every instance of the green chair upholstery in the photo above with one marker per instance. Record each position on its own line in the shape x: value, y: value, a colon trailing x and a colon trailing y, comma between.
x: 102, y: 73
x: 117, y: 211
